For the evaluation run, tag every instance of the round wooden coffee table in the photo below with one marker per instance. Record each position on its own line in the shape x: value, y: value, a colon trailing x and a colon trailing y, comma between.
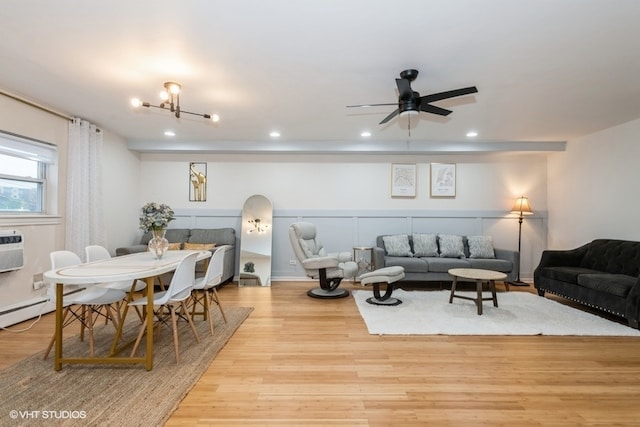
x: 481, y: 277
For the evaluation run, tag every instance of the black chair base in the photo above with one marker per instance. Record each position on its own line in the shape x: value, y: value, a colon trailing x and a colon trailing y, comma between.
x: 327, y: 294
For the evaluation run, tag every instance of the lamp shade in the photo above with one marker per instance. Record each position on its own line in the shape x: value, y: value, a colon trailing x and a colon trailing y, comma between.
x: 521, y: 206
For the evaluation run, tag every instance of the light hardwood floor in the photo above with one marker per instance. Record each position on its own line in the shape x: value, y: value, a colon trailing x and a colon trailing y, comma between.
x: 298, y: 361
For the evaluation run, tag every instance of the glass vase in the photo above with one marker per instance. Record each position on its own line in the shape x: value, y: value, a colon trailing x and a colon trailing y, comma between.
x: 158, y: 245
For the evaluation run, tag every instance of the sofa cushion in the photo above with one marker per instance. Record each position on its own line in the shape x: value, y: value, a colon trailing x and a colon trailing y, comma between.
x: 173, y: 235
x: 501, y: 265
x: 481, y: 247
x: 219, y: 236
x: 616, y: 284
x: 410, y: 265
x: 566, y: 274
x: 425, y: 245
x: 397, y: 245
x: 451, y: 246
x: 443, y: 265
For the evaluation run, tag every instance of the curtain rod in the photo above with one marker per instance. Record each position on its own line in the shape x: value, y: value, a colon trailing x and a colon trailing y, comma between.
x: 35, y: 105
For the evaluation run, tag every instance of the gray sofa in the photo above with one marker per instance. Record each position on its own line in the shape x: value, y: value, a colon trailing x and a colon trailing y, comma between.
x: 424, y: 265
x: 604, y: 274
x: 219, y: 236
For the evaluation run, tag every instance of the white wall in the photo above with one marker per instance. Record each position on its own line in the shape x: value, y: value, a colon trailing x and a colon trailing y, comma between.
x: 44, y: 235
x: 593, y: 188
x: 121, y: 184
x: 330, y: 187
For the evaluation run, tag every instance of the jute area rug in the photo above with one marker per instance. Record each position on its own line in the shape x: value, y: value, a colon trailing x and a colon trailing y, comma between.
x: 32, y: 393
x: 518, y: 313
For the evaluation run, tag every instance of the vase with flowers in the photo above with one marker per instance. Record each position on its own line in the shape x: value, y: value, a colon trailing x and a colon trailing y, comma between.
x: 155, y: 217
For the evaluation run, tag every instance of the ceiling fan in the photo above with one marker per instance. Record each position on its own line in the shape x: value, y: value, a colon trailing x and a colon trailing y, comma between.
x: 411, y: 102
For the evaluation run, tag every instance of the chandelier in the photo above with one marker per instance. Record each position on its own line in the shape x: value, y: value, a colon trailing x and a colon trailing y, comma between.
x: 258, y: 226
x: 170, y: 98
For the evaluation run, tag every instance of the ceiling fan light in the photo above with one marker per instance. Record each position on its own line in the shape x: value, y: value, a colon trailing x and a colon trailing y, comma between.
x: 164, y: 95
x: 409, y: 113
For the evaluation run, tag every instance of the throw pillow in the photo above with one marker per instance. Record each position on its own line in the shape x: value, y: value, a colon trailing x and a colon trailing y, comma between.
x: 451, y: 246
x: 481, y: 247
x: 175, y: 246
x: 397, y: 245
x: 425, y: 245
x: 199, y: 246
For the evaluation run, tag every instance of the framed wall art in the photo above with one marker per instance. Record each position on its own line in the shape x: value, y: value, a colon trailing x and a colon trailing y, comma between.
x: 197, y: 182
x: 403, y: 180
x: 443, y: 180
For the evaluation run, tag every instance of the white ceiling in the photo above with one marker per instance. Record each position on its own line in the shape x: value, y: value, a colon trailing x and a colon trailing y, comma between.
x: 546, y: 70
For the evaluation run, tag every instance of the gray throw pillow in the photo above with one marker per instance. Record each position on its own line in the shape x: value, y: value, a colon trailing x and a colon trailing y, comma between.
x: 425, y: 245
x: 397, y: 245
x: 481, y: 247
x: 451, y: 246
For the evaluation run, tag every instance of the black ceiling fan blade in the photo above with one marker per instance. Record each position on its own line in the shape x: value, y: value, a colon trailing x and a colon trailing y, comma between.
x: 404, y: 88
x: 389, y: 117
x: 449, y: 94
x: 428, y: 108
x: 371, y: 105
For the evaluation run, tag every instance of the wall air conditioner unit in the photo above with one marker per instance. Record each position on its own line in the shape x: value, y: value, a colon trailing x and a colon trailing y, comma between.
x: 11, y: 250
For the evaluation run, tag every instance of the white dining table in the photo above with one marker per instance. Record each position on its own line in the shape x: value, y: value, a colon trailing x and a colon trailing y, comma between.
x: 137, y: 266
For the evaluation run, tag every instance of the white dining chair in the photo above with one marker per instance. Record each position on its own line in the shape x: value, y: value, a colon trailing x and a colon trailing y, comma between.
x: 204, y: 289
x: 85, y: 305
x: 130, y: 287
x: 174, y: 299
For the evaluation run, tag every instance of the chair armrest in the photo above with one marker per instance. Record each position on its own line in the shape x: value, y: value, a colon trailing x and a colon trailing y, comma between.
x: 131, y: 249
x: 559, y: 258
x: 318, y: 263
x: 342, y: 256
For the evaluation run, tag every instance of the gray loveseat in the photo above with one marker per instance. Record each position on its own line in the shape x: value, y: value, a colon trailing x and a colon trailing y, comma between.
x: 424, y: 260
x: 604, y: 274
x: 219, y: 236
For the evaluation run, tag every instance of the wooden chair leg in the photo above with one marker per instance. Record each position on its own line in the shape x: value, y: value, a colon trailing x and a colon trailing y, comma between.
x: 217, y: 300
x: 141, y: 333
x: 193, y: 327
x: 174, y: 326
x: 207, y: 307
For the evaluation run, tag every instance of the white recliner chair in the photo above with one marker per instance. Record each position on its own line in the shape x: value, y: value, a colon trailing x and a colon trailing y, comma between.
x: 328, y: 268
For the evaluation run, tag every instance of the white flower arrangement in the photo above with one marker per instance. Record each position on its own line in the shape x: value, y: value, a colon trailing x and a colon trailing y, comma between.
x: 155, y: 216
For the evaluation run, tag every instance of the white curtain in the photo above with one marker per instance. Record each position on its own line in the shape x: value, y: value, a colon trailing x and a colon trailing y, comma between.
x: 84, y: 219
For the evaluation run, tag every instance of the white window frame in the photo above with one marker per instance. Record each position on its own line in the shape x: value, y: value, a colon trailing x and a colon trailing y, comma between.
x: 47, y: 156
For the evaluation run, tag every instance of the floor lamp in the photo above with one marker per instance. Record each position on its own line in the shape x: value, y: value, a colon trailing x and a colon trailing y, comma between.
x: 521, y: 207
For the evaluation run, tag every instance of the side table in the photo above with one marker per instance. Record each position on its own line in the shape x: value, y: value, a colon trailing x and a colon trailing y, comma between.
x: 365, y: 262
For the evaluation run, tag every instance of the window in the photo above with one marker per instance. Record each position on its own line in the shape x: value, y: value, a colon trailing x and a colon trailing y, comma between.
x: 24, y: 164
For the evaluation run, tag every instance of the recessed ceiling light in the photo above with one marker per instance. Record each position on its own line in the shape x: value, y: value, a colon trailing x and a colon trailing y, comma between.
x: 169, y: 133
x: 472, y: 134
x: 274, y: 134
x: 365, y: 134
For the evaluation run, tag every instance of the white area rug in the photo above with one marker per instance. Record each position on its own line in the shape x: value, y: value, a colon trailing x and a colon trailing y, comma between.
x: 519, y: 313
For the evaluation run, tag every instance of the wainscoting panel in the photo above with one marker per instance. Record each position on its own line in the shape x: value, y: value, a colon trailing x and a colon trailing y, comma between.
x: 340, y: 230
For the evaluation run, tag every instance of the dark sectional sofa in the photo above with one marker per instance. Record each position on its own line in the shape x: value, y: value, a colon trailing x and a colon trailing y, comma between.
x: 604, y: 274
x: 219, y: 236
x: 435, y: 268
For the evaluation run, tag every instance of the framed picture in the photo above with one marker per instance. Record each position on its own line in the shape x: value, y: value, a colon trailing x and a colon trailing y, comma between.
x: 403, y: 180
x: 197, y: 182
x: 443, y: 180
